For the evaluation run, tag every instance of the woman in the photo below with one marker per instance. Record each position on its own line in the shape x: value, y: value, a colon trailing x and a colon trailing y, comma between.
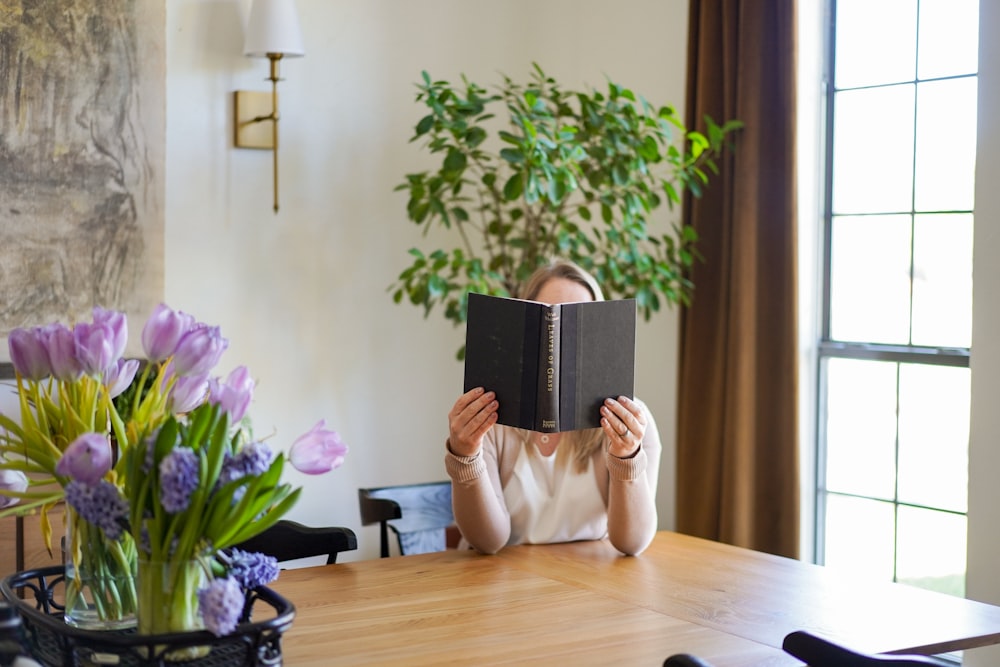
x: 512, y: 486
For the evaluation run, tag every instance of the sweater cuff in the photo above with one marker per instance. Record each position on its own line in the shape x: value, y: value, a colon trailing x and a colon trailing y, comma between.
x: 463, y: 469
x: 626, y: 470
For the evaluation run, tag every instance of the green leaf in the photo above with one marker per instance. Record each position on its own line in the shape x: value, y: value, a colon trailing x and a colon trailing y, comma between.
x: 513, y: 188
x: 425, y: 124
x: 512, y: 155
x: 455, y: 161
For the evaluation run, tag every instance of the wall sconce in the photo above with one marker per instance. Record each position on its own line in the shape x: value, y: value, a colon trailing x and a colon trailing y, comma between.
x: 272, y: 31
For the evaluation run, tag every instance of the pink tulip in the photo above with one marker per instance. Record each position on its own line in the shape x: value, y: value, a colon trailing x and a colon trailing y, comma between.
x: 318, y: 451
x: 87, y: 458
x: 234, y: 395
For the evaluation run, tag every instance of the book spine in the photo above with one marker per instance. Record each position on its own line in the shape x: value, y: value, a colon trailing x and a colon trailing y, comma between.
x: 547, y: 415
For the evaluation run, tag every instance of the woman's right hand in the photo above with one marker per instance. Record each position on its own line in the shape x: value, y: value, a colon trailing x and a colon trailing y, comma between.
x: 473, y: 414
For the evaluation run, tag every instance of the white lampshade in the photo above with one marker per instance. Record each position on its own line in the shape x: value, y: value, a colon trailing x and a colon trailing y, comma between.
x: 273, y: 28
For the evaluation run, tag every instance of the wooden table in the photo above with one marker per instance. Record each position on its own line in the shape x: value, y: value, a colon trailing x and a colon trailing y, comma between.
x: 584, y: 604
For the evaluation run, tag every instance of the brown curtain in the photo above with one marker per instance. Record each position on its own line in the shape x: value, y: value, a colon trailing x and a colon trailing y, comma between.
x: 737, y: 460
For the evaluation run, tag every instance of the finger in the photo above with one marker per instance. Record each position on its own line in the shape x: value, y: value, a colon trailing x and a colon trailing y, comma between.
x: 465, y: 399
x: 633, y: 408
x: 620, y: 418
x: 483, y: 403
x: 635, y: 417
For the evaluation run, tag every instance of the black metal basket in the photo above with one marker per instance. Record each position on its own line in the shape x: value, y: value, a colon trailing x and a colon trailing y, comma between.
x: 53, y: 642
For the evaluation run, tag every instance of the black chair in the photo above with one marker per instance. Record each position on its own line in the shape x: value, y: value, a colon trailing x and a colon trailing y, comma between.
x: 818, y: 652
x: 289, y: 540
x: 419, y: 514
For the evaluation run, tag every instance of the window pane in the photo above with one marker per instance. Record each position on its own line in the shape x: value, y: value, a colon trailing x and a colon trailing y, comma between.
x: 868, y: 53
x: 949, y: 38
x: 933, y: 436
x: 861, y: 427
x: 870, y: 279
x: 859, y: 537
x: 946, y: 145
x: 873, y: 150
x: 931, y: 550
x: 942, y: 280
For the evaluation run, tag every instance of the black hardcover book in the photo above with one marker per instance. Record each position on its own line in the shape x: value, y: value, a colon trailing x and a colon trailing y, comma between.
x: 550, y: 366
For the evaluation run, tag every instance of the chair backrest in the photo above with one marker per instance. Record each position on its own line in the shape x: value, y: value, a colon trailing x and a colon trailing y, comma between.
x: 290, y: 540
x: 419, y: 514
x: 818, y: 652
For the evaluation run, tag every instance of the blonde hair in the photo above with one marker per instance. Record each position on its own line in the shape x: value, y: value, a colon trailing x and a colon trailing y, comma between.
x: 559, y: 268
x: 580, y: 445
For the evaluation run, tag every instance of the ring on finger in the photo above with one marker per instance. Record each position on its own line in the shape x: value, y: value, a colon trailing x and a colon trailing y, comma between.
x: 624, y: 431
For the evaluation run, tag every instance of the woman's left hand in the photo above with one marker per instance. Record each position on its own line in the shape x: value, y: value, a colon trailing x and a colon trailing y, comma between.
x: 625, y: 425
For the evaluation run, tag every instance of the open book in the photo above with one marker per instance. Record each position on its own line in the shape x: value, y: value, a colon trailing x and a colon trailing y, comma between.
x: 550, y: 366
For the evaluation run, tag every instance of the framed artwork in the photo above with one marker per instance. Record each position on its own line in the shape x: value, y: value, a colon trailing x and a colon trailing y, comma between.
x: 82, y: 161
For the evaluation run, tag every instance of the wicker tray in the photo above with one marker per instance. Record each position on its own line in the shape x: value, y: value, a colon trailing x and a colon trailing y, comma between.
x: 55, y: 643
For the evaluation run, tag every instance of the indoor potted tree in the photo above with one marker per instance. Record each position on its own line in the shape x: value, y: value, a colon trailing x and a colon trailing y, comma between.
x: 576, y: 174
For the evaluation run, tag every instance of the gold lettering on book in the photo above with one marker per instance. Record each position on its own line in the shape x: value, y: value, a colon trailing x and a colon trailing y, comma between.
x: 550, y: 370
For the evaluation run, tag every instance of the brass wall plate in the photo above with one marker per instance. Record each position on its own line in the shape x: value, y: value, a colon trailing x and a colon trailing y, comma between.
x: 248, y: 105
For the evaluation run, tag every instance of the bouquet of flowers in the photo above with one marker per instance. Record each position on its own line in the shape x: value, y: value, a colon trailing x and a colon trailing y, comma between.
x: 156, y: 463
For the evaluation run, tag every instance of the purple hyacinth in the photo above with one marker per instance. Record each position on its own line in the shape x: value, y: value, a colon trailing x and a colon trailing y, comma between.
x: 253, y: 459
x: 220, y: 604
x: 99, y: 504
x: 178, y: 479
x: 252, y: 569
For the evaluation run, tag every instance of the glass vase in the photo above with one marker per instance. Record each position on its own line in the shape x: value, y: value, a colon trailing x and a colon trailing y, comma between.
x: 168, y: 602
x: 100, y: 577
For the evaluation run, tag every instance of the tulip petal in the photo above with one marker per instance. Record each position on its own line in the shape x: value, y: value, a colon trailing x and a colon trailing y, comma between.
x: 87, y: 459
x: 318, y: 451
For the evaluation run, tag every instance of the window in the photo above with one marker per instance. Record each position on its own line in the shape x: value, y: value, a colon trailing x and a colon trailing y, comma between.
x: 893, y: 399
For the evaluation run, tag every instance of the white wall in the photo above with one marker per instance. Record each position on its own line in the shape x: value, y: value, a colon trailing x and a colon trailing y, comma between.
x: 983, y: 580
x: 302, y: 294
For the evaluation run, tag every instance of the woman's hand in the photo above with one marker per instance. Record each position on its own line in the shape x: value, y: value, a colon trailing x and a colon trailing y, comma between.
x: 625, y: 425
x: 470, y: 418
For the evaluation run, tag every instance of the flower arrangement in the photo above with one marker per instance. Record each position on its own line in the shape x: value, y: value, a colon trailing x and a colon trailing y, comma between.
x: 156, y: 463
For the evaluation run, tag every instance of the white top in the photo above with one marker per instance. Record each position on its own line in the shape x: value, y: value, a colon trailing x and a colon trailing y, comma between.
x: 548, y: 505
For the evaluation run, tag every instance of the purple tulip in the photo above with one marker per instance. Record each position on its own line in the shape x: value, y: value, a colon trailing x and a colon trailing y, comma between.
x: 318, y: 451
x: 61, y: 346
x: 117, y: 377
x: 28, y: 353
x: 163, y: 330
x: 13, y: 481
x: 117, y: 324
x: 234, y: 395
x: 199, y: 350
x: 95, y: 347
x: 188, y: 392
x: 87, y: 458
